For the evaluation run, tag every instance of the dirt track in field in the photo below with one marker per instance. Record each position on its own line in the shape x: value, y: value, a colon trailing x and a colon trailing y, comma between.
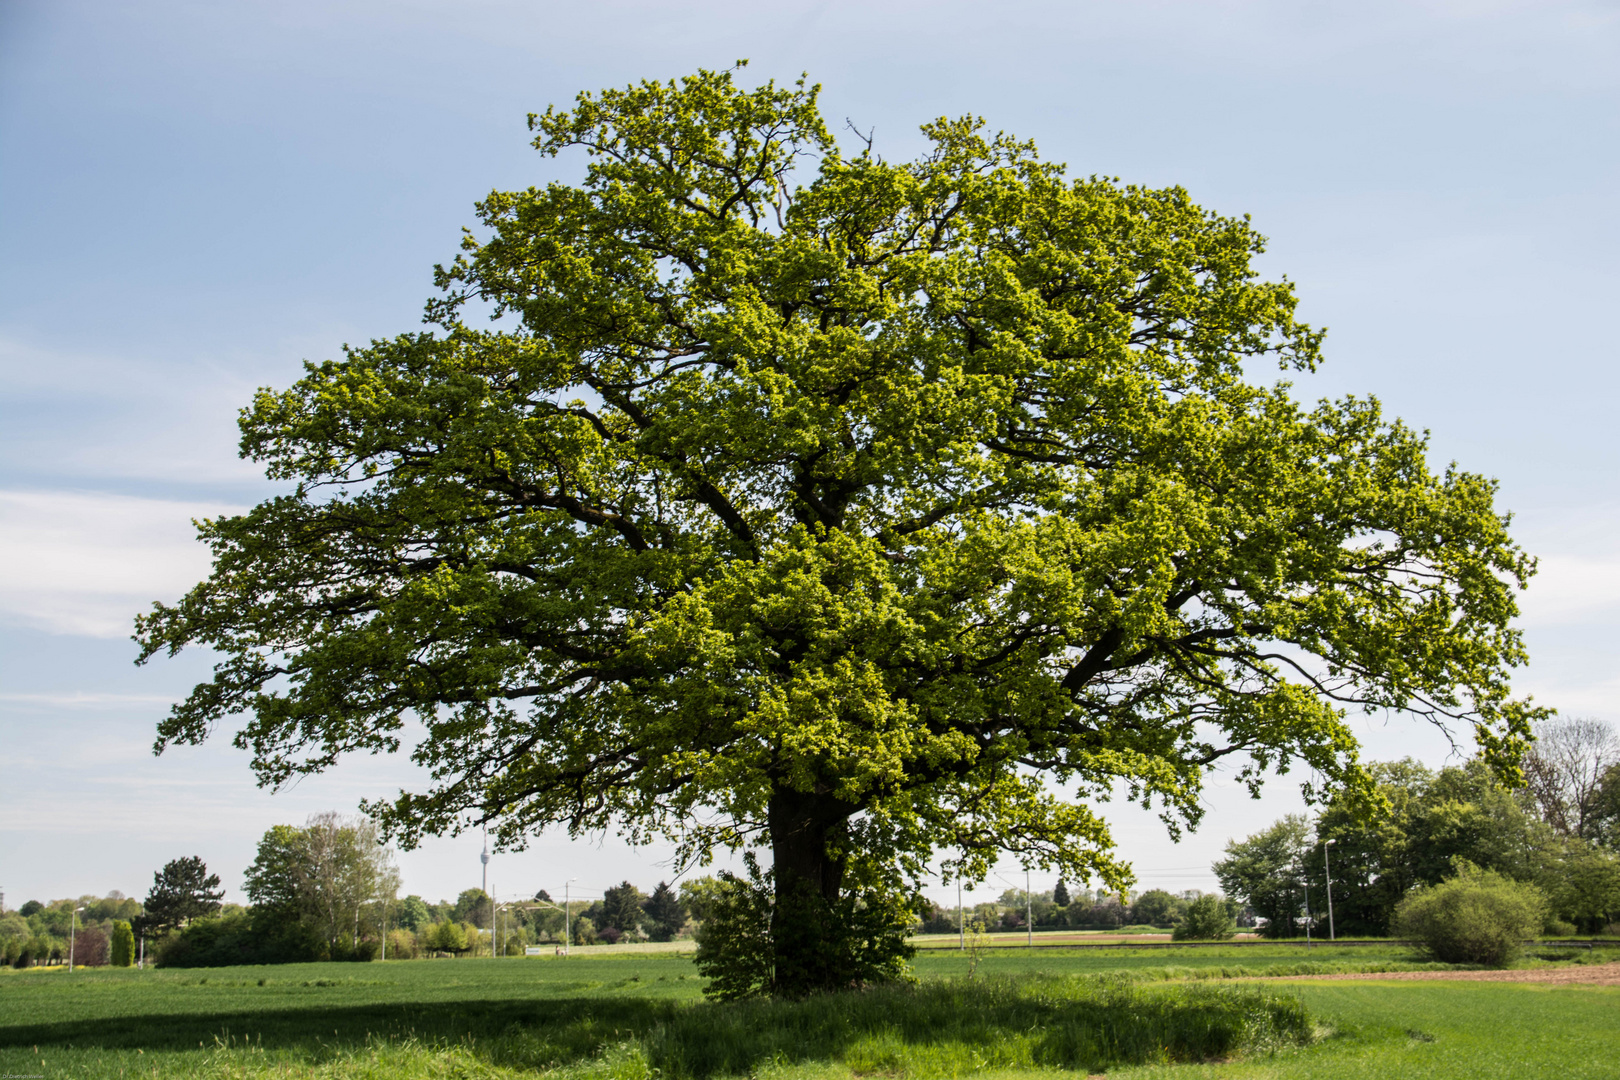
x: 1581, y: 974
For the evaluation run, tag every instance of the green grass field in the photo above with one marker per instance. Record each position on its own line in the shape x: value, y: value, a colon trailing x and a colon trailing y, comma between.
x: 633, y: 1016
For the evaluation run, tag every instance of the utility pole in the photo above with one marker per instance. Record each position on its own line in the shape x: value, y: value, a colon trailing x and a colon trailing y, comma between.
x: 961, y: 927
x: 1029, y: 911
x: 1328, y: 875
x: 568, y: 933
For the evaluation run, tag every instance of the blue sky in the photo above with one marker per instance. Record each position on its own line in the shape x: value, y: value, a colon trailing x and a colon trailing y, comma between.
x: 196, y: 197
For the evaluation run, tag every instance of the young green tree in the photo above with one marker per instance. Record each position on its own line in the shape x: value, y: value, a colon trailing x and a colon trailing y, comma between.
x: 1266, y: 872
x: 412, y: 913
x: 474, y: 906
x: 832, y: 503
x: 313, y: 888
x: 1206, y: 919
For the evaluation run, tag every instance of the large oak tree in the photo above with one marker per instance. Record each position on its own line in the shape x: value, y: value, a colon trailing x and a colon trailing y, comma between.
x: 751, y: 492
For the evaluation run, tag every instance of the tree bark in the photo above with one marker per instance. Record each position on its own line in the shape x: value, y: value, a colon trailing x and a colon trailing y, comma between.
x: 809, y: 879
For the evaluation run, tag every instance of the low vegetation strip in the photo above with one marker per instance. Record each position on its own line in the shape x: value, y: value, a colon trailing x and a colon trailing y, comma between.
x: 630, y: 1028
x: 947, y: 1029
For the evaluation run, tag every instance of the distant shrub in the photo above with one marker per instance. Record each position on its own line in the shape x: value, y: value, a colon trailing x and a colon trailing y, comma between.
x: 448, y: 936
x: 1558, y: 928
x: 122, y: 947
x: 1476, y: 917
x: 90, y: 948
x: 1207, y: 919
x: 401, y: 945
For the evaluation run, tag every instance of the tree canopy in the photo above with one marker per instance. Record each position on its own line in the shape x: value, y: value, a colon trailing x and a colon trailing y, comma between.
x: 182, y: 891
x: 840, y: 505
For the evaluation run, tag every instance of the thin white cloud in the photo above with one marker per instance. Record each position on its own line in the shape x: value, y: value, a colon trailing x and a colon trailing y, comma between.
x: 86, y: 563
x: 83, y: 700
x: 1572, y: 589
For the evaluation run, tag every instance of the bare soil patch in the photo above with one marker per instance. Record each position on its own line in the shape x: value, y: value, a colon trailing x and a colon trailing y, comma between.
x: 1583, y: 974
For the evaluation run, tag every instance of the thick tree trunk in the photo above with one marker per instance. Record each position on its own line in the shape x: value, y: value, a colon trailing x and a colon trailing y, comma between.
x: 808, y: 882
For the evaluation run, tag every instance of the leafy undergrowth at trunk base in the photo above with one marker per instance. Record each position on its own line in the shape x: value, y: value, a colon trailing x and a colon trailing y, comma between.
x: 954, y: 1028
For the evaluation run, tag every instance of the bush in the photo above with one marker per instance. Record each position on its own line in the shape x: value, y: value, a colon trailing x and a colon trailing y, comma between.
x: 734, y: 940
x: 1558, y: 928
x: 401, y: 945
x: 1476, y: 917
x: 123, y: 944
x: 859, y: 940
x: 1207, y: 919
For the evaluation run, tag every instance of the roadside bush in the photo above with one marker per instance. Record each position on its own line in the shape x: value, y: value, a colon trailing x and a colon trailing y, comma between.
x: 1558, y: 928
x: 1207, y: 919
x: 1476, y: 917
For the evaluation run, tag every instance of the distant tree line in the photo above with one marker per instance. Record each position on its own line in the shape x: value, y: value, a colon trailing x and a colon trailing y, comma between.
x: 39, y: 934
x: 1559, y: 833
x: 1064, y: 909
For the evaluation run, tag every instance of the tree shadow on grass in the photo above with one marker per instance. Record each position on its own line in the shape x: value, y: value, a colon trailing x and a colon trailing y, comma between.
x: 940, y: 1028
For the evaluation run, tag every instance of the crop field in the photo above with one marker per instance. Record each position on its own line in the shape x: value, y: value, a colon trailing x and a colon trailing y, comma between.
x: 1129, y: 1013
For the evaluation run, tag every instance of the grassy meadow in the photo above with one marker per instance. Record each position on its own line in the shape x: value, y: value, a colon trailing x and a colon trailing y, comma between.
x: 633, y: 1016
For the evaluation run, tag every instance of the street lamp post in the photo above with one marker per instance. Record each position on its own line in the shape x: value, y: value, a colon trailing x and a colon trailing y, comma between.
x: 1305, y: 882
x: 1029, y: 912
x: 73, y: 933
x: 1328, y: 875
